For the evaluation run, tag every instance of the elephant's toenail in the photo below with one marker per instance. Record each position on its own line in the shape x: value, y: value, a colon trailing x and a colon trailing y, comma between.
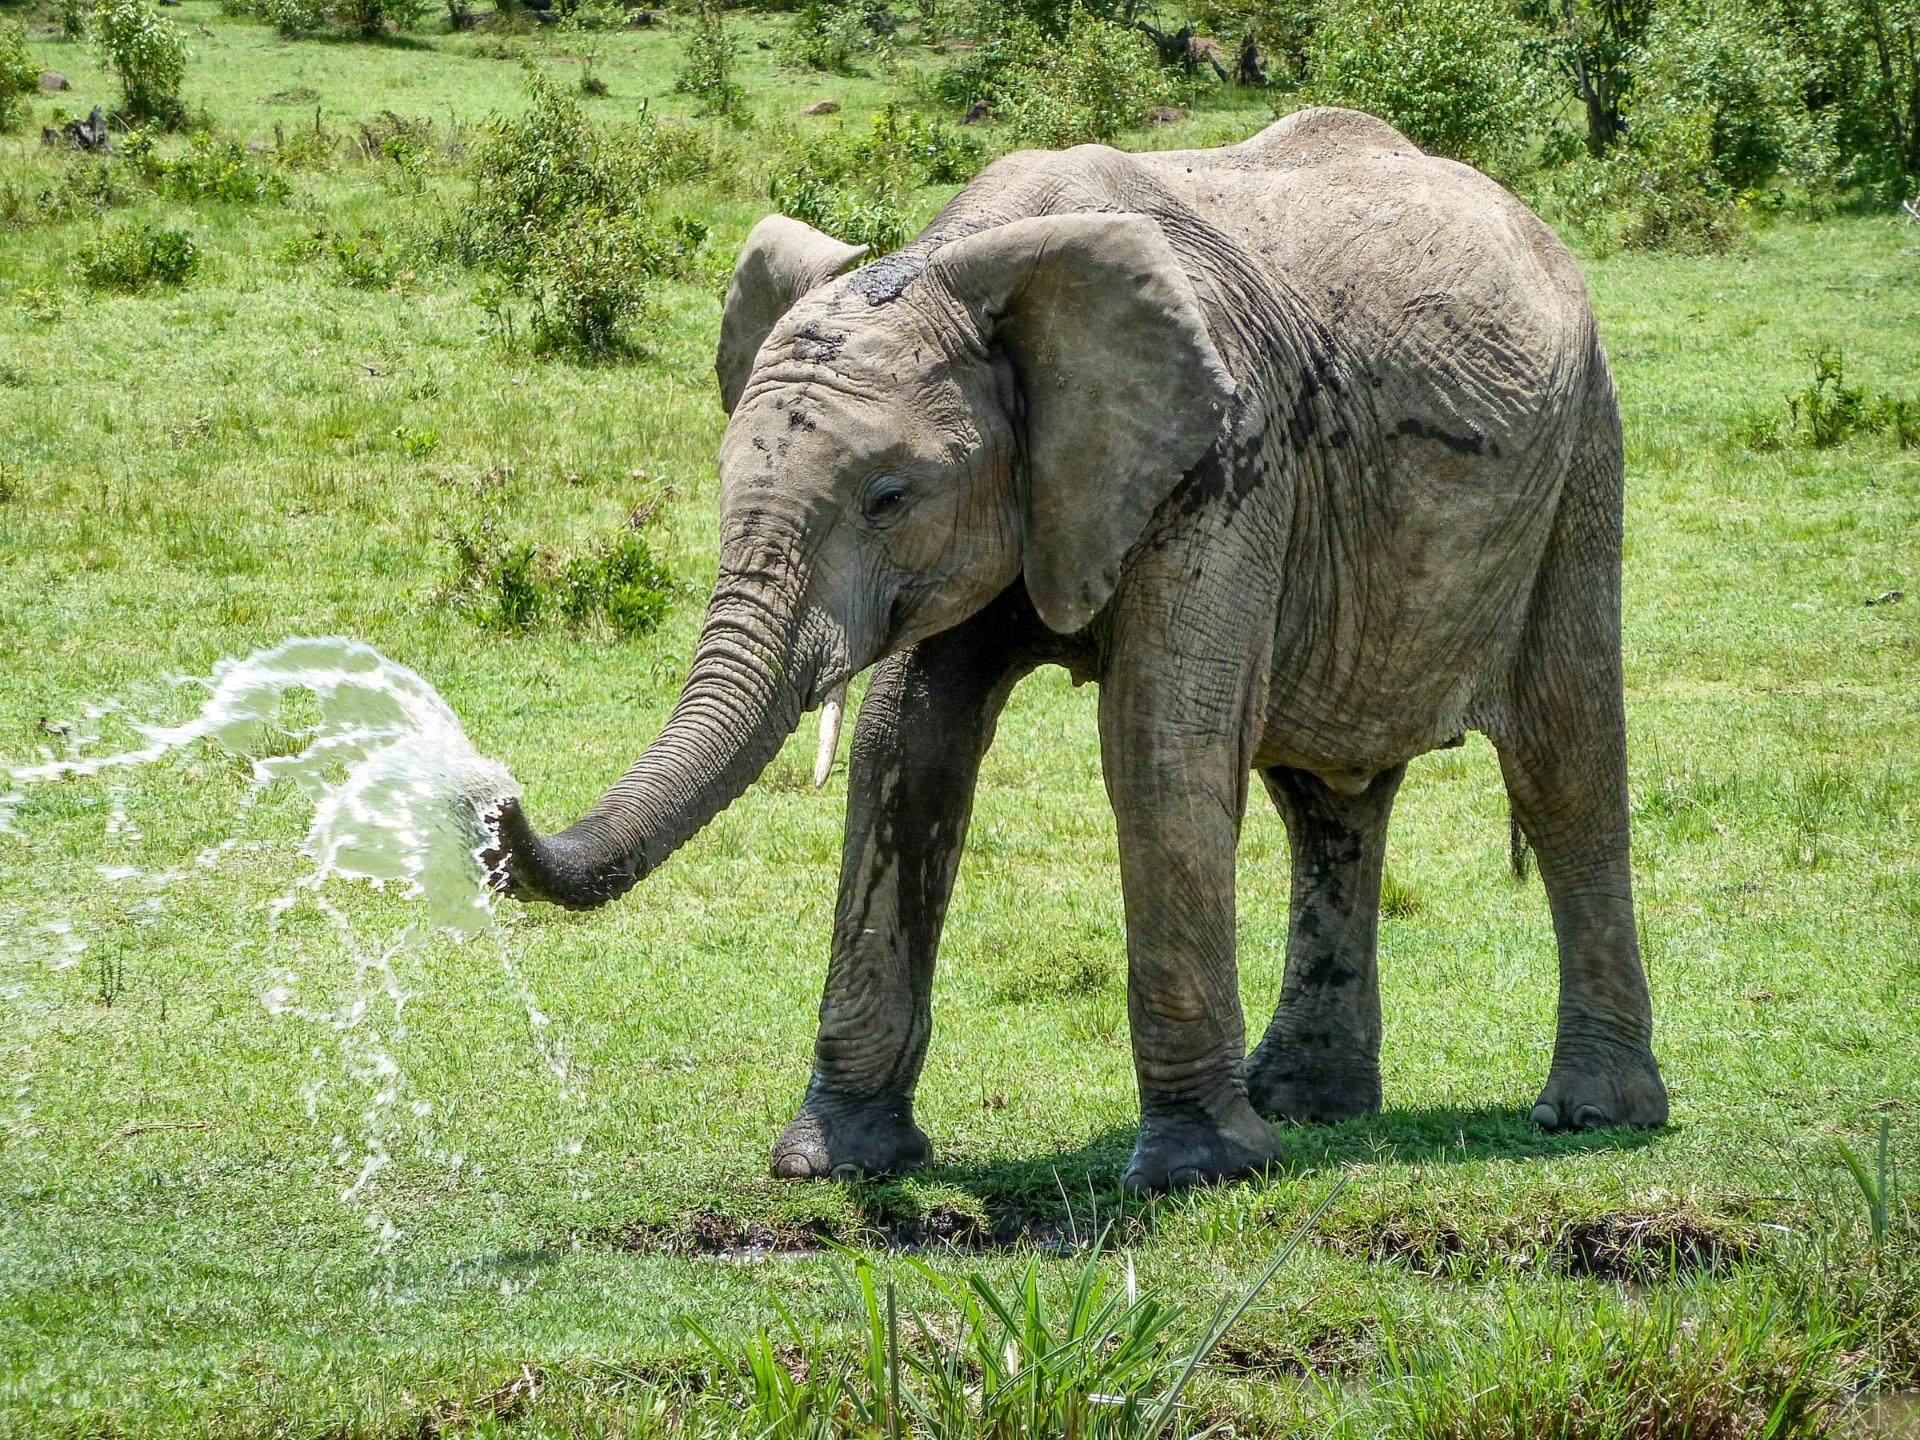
x: 793, y: 1165
x: 1546, y: 1117
x: 848, y: 1174
x: 1590, y: 1117
x: 1184, y: 1178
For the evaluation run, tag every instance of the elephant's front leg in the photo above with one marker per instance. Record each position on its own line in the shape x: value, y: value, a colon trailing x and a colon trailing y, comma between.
x: 926, y: 720
x: 1177, y: 776
x: 1320, y: 1058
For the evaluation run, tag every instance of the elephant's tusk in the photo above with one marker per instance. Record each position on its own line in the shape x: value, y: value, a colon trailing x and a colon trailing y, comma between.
x: 831, y: 711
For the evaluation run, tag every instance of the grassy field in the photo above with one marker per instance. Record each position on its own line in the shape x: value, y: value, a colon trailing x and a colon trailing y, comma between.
x: 192, y: 473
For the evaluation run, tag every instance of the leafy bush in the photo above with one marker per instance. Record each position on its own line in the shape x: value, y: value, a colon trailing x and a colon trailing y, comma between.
x: 74, y: 15
x: 1859, y: 62
x: 132, y: 257
x: 514, y: 585
x: 588, y: 280
x: 857, y: 187
x: 18, y: 75
x: 217, y: 170
x: 1098, y: 79
x: 1657, y: 191
x: 1445, y: 72
x: 1830, y: 412
x: 708, y: 73
x: 828, y: 35
x: 149, y: 55
x: 367, y: 18
x: 1720, y: 61
x: 531, y: 172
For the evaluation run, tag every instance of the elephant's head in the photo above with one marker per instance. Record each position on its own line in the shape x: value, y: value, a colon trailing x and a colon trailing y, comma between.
x: 905, y: 442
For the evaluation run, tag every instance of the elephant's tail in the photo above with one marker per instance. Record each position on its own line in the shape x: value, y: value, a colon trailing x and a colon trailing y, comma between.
x: 1518, y: 850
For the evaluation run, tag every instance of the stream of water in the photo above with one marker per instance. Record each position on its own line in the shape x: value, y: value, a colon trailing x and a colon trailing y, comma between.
x: 400, y: 798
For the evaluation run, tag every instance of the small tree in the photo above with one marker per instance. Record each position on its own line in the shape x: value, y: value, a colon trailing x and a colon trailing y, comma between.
x: 17, y: 75
x: 708, y: 73
x: 1447, y: 72
x: 149, y: 55
x: 1594, y: 45
x: 1097, y: 80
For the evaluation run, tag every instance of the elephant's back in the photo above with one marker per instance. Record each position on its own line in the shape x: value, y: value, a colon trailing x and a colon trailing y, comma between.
x: 1471, y: 329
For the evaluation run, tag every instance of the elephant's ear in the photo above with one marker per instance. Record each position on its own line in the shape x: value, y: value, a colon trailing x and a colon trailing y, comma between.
x: 1124, y: 390
x: 781, y: 261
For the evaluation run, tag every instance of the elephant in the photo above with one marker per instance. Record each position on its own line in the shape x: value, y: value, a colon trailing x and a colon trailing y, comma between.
x: 1306, y: 452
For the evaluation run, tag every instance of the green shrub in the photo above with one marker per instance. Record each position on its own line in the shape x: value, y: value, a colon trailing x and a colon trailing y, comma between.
x: 1595, y: 48
x: 1657, y: 191
x: 1830, y: 412
x: 588, y: 281
x: 132, y: 257
x: 148, y: 54
x: 514, y: 585
x: 1098, y: 79
x: 80, y: 185
x: 18, y: 74
x: 217, y: 170
x: 1448, y: 73
x: 533, y: 171
x: 857, y: 187
x: 1721, y: 61
x: 74, y: 15
x: 1860, y: 66
x: 828, y: 35
x: 707, y: 75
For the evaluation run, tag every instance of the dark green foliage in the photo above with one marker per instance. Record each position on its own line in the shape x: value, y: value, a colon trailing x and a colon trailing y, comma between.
x: 1859, y: 68
x: 1446, y: 72
x: 149, y: 55
x: 1097, y: 79
x: 216, y: 170
x: 857, y: 187
x: 132, y: 257
x: 1594, y: 47
x: 707, y: 75
x: 515, y: 585
x: 828, y: 35
x: 555, y: 215
x: 18, y: 74
x: 1830, y: 412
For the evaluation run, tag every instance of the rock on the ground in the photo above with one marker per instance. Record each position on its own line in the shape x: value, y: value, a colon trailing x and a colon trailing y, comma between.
x: 52, y: 80
x: 822, y: 107
x: 1168, y: 114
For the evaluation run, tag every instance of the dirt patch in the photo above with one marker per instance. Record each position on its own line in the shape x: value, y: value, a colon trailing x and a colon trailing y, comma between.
x: 946, y: 1227
x: 1626, y: 1246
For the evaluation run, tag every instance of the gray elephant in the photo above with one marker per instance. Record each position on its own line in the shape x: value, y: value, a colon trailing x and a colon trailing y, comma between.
x: 1303, y: 449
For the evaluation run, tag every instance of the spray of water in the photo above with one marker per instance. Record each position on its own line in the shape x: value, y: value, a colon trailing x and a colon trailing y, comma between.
x: 400, y: 798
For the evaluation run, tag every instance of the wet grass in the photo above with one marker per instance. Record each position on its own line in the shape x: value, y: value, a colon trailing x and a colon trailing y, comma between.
x: 195, y: 471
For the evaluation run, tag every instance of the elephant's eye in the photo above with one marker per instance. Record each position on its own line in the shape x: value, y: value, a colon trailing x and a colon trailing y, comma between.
x: 885, y: 497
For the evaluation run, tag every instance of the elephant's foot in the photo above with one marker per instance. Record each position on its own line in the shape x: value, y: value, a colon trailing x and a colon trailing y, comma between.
x: 1181, y: 1148
x: 848, y: 1140
x: 1619, y: 1089
x: 1280, y: 1085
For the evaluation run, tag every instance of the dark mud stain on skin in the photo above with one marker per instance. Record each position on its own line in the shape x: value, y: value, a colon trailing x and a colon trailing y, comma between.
x: 1472, y: 443
x: 813, y: 342
x: 883, y: 280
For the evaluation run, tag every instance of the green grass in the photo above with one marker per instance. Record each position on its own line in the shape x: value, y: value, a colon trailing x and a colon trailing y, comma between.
x: 194, y: 472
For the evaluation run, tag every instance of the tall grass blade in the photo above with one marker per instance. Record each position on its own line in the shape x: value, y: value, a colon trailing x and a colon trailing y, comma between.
x: 1212, y: 1334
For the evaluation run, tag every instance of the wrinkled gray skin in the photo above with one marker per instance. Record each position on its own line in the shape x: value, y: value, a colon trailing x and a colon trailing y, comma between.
x: 1306, y: 452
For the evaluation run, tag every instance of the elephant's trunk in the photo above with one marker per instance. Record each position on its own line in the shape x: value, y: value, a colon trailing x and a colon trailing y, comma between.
x: 753, y: 675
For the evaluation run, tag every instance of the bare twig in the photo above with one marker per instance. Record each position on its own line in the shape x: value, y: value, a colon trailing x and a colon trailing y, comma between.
x: 127, y: 1132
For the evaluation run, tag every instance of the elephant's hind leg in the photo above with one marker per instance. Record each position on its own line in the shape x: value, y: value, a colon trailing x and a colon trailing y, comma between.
x: 1563, y: 750
x: 1320, y: 1058
x: 925, y: 722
